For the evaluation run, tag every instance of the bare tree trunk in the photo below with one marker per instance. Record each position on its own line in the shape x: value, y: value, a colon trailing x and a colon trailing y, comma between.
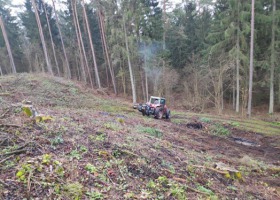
x: 103, y: 51
x: 237, y: 63
x: 62, y: 42
x: 129, y: 65
x: 50, y: 32
x: 146, y: 75
x: 103, y: 37
x: 249, y: 112
x: 164, y: 27
x: 92, y: 48
x: 1, y: 73
x: 49, y: 67
x: 272, y: 59
x: 7, y: 45
x: 81, y: 40
x: 83, y: 72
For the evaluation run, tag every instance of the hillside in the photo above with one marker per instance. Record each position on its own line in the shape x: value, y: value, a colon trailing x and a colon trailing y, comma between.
x: 89, y: 145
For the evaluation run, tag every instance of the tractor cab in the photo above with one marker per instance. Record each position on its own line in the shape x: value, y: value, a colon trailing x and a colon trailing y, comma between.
x: 156, y: 101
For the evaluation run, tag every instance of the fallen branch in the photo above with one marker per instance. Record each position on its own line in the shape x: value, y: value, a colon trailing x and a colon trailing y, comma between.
x: 11, y: 125
x: 3, y: 115
x: 197, y: 191
x: 5, y: 94
x: 3, y: 141
x: 3, y: 183
x: 13, y: 152
x: 211, y: 168
x: 5, y: 159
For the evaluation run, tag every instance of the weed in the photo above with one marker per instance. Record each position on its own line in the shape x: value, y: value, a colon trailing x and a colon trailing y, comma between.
x: 91, y: 168
x: 205, y: 119
x: 151, y: 184
x: 168, y: 165
x: 83, y: 149
x: 120, y: 120
x: 56, y: 141
x: 151, y: 131
x: 236, y: 124
x: 75, y: 154
x: 177, y: 121
x: 73, y: 190
x: 178, y: 192
x: 163, y: 180
x: 46, y: 159
x: 220, y: 130
x: 205, y: 190
x: 95, y: 195
x: 112, y: 126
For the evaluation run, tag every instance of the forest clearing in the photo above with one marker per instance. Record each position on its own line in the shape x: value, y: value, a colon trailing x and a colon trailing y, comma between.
x: 96, y: 146
x: 204, y: 74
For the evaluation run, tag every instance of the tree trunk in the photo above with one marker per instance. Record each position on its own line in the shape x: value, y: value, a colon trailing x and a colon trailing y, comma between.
x: 7, y: 46
x: 83, y: 72
x: 50, y: 32
x: 92, y: 48
x: 272, y: 59
x: 81, y: 40
x: 103, y: 51
x: 129, y: 65
x: 164, y: 27
x: 62, y: 42
x: 103, y: 37
x: 249, y: 112
x: 1, y: 73
x: 49, y: 67
x: 237, y: 63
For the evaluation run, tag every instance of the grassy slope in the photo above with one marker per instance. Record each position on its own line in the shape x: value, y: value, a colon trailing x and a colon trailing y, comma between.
x: 97, y: 147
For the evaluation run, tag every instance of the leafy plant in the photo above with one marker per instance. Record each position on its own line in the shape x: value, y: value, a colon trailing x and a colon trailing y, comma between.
x: 73, y: 190
x: 57, y: 140
x: 112, y: 126
x: 75, y: 154
x: 90, y: 168
x: 95, y: 195
x: 218, y: 129
x: 46, y: 159
x: 205, y: 190
x: 205, y: 119
x: 178, y: 192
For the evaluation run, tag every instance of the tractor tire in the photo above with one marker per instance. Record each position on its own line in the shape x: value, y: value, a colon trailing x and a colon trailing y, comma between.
x: 158, y: 113
x: 168, y: 114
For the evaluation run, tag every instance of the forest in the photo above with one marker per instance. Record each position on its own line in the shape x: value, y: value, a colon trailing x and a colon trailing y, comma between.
x: 198, y: 54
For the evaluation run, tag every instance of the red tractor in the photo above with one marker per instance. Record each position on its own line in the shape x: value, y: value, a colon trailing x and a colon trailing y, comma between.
x: 156, y: 107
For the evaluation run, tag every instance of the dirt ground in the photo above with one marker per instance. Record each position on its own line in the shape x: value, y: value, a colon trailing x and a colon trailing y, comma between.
x: 98, y: 148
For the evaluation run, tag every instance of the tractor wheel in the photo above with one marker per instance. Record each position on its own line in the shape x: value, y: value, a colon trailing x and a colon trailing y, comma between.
x: 158, y: 113
x: 168, y: 114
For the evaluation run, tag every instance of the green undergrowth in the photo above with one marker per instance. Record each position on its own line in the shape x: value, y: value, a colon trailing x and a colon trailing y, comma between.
x: 254, y: 125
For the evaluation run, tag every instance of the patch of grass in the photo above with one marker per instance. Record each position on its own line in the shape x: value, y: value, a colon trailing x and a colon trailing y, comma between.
x: 112, y: 126
x: 151, y: 131
x: 205, y: 119
x: 95, y: 195
x: 178, y: 121
x: 218, y: 129
x: 73, y: 190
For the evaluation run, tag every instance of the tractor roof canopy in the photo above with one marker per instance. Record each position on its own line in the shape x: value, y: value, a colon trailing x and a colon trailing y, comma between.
x: 160, y: 100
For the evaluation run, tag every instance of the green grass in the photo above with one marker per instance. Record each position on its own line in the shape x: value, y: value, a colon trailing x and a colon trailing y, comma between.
x: 151, y: 131
x: 254, y: 125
